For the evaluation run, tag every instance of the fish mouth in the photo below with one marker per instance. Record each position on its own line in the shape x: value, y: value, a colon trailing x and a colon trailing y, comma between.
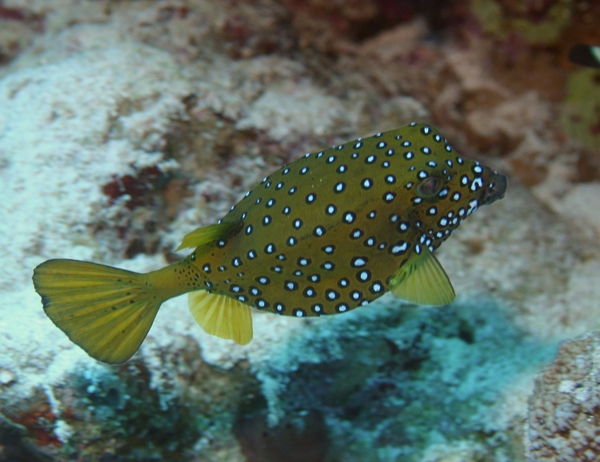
x: 496, y: 187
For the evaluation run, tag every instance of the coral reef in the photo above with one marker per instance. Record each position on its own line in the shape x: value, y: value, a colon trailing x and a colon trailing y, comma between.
x: 565, y: 405
x: 88, y: 140
x: 406, y: 379
x: 125, y: 125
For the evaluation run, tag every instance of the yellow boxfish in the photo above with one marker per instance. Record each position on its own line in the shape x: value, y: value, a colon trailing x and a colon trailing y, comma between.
x: 331, y: 231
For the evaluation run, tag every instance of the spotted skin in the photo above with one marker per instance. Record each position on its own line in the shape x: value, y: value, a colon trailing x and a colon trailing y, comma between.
x: 326, y: 233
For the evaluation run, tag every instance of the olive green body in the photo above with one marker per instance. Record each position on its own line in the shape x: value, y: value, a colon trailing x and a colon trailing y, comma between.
x: 328, y: 232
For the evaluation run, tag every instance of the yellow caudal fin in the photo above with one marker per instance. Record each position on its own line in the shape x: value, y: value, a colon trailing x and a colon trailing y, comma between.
x: 106, y: 311
x: 208, y: 234
x: 423, y: 280
x: 222, y: 316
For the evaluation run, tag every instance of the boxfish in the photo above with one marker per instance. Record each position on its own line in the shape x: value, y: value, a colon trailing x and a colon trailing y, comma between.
x: 330, y: 232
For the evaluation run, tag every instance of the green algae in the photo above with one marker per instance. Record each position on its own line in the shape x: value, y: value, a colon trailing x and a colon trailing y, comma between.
x: 580, y: 117
x: 535, y: 28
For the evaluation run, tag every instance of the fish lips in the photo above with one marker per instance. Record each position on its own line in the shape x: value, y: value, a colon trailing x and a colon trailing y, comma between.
x: 497, y: 185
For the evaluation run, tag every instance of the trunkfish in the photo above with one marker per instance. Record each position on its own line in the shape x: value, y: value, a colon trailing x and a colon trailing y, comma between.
x: 331, y: 231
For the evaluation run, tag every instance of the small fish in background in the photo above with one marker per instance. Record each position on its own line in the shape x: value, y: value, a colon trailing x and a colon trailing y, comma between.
x: 332, y: 231
x: 585, y: 55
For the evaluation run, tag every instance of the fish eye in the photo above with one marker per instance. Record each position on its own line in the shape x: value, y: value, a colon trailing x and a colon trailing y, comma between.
x: 429, y: 187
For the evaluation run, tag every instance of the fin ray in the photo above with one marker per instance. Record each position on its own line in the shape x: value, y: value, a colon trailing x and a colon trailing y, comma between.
x: 423, y: 280
x: 221, y: 316
x: 104, y: 310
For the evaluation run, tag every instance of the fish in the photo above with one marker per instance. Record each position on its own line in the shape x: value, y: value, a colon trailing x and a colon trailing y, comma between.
x: 585, y: 55
x: 332, y: 231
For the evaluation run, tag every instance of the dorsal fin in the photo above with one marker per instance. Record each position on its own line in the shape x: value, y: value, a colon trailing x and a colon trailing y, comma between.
x: 208, y: 234
x: 423, y: 280
x: 222, y: 316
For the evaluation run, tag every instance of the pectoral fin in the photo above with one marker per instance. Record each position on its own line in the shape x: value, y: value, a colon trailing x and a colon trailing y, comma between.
x: 423, y: 280
x: 221, y: 316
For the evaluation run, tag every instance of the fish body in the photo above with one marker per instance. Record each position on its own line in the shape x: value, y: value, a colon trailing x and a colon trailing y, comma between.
x: 330, y: 232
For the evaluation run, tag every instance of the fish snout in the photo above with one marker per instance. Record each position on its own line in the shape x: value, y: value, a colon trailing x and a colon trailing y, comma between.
x: 496, y: 187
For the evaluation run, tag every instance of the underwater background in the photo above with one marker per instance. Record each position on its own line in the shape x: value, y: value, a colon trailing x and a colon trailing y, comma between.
x: 124, y: 125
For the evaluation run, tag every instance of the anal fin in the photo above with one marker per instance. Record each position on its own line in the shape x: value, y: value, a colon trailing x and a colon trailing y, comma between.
x: 221, y: 316
x: 423, y: 280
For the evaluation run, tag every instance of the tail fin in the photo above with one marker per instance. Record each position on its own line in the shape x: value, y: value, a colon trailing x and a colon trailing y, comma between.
x: 105, y: 310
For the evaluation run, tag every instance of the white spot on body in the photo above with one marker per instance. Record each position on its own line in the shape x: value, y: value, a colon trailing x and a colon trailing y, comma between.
x: 476, y: 184
x: 400, y: 248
